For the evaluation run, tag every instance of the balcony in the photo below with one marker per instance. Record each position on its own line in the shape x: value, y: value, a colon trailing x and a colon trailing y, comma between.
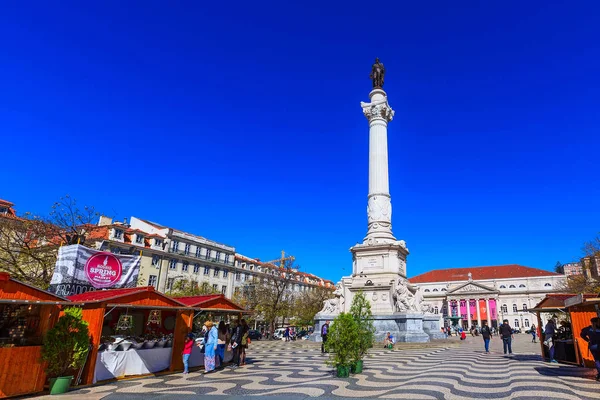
x: 182, y: 253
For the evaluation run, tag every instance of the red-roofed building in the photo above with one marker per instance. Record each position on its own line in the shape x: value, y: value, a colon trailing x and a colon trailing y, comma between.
x: 468, y: 296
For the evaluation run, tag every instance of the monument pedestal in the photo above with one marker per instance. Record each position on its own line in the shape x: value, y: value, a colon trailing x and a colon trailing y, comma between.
x: 431, y: 326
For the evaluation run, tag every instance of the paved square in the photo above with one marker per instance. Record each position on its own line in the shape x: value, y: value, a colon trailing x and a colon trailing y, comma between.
x: 450, y: 369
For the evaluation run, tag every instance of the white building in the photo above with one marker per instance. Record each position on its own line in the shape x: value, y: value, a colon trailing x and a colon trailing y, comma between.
x: 474, y: 294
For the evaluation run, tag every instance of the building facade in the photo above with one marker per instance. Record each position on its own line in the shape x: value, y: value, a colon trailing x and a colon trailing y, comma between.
x: 468, y: 296
x: 170, y: 258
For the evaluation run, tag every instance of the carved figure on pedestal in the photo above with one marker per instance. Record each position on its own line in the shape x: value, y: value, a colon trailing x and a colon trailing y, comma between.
x: 408, y: 298
x: 336, y: 304
x: 377, y: 74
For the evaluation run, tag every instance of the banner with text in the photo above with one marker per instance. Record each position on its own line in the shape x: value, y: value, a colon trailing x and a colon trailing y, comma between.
x: 80, y: 269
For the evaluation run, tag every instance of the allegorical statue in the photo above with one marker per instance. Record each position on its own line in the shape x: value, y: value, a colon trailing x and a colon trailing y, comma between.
x: 377, y: 74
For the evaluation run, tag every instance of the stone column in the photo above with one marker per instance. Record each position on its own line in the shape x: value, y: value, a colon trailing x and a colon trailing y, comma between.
x: 379, y: 209
x: 487, y: 307
x: 469, y: 312
x: 478, y: 314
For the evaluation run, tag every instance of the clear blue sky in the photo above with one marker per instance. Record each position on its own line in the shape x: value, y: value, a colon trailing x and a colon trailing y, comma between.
x: 241, y: 122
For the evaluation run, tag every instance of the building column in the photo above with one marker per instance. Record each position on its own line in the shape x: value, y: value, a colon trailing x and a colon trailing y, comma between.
x: 487, y: 308
x: 478, y: 313
x: 469, y: 312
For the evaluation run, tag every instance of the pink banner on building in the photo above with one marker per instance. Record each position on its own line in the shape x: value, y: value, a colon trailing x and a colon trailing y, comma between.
x: 493, y: 311
x: 463, y: 309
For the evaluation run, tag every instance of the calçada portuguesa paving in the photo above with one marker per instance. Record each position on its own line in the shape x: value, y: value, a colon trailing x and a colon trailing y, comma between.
x: 451, y: 369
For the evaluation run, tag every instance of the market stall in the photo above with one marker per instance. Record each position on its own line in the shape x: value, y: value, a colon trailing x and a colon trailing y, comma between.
x: 134, y: 331
x: 582, y: 308
x: 26, y: 314
x: 553, y: 307
x: 215, y: 307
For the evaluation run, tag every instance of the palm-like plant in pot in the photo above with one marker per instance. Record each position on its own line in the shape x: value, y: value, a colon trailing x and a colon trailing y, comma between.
x: 360, y: 310
x: 65, y: 349
x: 342, y: 341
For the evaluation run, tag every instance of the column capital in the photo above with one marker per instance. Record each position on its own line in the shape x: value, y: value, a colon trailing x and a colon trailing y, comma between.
x: 378, y: 110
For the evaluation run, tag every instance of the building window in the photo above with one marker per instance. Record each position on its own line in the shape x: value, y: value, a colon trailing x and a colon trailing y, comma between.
x: 187, y: 248
x: 511, y: 286
x: 170, y: 282
x: 514, y: 308
x: 196, y: 268
x: 207, y: 255
x: 173, y: 264
x: 184, y: 266
x: 118, y: 234
x: 158, y: 242
x: 427, y: 290
x: 216, y: 273
x: 236, y: 291
x: 444, y: 290
x: 516, y: 323
x: 524, y: 307
x: 526, y: 323
x: 504, y: 308
x: 247, y: 278
x: 522, y: 286
x: 155, y: 260
x: 206, y: 270
x: 435, y: 290
x: 226, y: 259
x: 238, y: 276
x: 502, y: 287
x: 218, y: 255
x: 215, y: 287
x: 152, y: 280
x: 139, y: 239
x: 225, y: 273
x: 198, y: 251
x: 223, y: 289
x: 175, y: 245
x: 243, y: 265
x: 436, y: 310
x: 547, y: 285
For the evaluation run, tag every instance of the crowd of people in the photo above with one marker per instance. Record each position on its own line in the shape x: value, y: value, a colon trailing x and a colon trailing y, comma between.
x: 214, y: 340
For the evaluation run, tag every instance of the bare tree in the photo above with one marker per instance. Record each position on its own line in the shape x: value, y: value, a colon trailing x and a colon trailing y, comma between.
x: 190, y: 287
x: 29, y: 243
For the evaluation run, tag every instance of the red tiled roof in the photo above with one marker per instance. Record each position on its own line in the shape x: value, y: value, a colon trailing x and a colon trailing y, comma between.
x: 195, y: 300
x: 480, y: 273
x: 112, y: 294
x: 557, y: 300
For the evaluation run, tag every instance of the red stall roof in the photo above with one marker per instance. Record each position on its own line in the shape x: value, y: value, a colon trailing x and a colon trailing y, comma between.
x: 14, y: 291
x: 210, y: 302
x: 140, y: 296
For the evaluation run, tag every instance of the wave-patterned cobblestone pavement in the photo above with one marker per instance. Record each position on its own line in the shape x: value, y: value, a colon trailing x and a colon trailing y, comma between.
x: 297, y: 370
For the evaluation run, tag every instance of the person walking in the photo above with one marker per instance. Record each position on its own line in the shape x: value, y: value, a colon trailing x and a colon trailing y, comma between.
x: 591, y: 335
x: 506, y: 333
x: 533, y: 333
x: 222, y: 340
x: 188, y: 344
x: 244, y: 342
x: 210, y: 347
x: 549, y: 333
x: 236, y: 340
x: 286, y: 334
x: 324, y: 332
x: 486, y: 333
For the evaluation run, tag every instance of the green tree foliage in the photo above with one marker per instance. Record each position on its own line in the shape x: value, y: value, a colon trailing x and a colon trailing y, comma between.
x: 342, y: 341
x: 190, y: 287
x: 360, y: 309
x: 309, y: 303
x: 66, y: 344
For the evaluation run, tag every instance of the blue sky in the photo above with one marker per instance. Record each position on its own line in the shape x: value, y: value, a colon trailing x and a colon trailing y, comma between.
x: 241, y: 122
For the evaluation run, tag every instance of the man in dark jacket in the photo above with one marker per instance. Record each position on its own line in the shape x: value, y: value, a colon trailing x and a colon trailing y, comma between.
x: 591, y: 334
x: 236, y: 340
x: 324, y: 332
x: 506, y: 333
x: 486, y: 333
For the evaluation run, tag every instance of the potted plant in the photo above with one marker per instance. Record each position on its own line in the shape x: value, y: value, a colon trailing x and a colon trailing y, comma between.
x: 342, y: 341
x: 362, y: 315
x: 65, y: 349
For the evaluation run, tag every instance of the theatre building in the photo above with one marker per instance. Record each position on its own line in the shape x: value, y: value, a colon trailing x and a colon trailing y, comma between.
x: 468, y: 296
